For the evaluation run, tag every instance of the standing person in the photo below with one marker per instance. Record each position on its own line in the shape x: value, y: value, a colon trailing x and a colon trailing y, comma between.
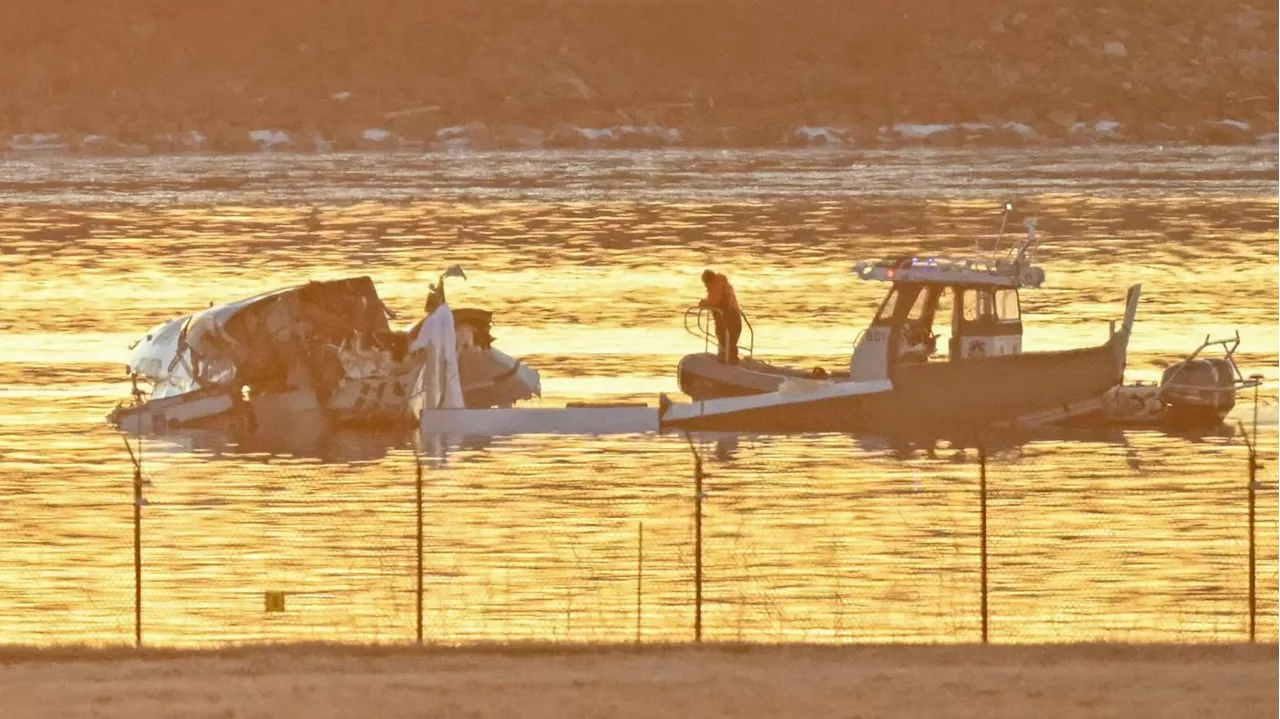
x: 728, y: 317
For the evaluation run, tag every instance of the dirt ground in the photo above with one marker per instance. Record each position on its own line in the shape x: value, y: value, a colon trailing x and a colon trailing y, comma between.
x: 714, y: 681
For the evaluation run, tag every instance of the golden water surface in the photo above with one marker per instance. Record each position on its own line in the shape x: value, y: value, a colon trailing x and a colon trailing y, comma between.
x: 589, y: 260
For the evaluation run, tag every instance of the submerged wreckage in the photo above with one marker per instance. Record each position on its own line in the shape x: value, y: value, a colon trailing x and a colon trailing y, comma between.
x: 324, y: 350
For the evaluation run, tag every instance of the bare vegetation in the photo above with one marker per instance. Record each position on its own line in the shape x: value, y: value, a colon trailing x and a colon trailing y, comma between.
x: 724, y: 73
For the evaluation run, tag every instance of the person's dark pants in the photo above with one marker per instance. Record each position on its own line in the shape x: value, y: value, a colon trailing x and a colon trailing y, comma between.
x: 728, y: 330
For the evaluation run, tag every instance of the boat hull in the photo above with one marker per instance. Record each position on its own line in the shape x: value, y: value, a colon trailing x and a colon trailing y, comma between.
x: 976, y: 392
x: 830, y: 407
x: 702, y: 376
x: 926, y: 399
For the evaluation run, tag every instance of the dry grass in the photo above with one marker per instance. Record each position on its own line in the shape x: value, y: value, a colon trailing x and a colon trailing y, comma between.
x: 556, y: 681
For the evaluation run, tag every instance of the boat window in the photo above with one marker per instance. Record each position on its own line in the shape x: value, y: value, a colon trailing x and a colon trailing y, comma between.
x: 942, y: 311
x: 978, y: 304
x: 1007, y: 305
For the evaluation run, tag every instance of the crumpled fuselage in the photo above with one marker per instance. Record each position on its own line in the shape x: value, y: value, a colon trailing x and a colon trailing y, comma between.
x: 331, y: 339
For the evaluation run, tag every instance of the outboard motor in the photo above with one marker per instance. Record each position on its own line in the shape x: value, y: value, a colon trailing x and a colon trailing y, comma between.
x: 1199, y: 392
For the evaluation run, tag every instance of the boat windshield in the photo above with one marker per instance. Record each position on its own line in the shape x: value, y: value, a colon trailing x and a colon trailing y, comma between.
x: 904, y: 302
x: 920, y: 307
x: 888, y: 308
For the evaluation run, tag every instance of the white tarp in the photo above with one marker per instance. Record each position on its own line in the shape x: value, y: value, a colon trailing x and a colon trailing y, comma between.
x: 438, y: 385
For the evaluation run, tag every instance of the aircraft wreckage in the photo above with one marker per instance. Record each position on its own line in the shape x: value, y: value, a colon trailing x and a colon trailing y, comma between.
x: 319, y: 352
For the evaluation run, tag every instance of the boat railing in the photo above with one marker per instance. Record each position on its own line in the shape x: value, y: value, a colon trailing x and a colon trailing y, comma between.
x: 1229, y: 346
x: 698, y: 321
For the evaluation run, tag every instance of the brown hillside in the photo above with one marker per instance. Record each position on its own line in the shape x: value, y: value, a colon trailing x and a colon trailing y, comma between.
x: 743, y: 72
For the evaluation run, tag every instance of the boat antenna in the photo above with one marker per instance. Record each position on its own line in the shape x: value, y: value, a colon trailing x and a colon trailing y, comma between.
x: 1024, y: 247
x: 1004, y: 220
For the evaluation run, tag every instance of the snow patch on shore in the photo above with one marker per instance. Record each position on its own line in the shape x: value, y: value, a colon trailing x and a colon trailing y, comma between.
x: 38, y: 142
x: 821, y: 136
x: 270, y: 139
x: 622, y: 133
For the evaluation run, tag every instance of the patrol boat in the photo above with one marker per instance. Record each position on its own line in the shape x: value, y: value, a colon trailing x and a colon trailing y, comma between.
x: 897, y: 380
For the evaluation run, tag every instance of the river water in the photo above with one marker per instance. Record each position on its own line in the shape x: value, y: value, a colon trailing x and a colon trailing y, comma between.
x: 589, y: 260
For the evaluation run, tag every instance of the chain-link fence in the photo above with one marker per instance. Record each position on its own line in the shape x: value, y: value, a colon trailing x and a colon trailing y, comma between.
x: 666, y: 539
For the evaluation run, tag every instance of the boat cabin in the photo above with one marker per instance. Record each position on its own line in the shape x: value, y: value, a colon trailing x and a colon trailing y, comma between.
x: 942, y: 310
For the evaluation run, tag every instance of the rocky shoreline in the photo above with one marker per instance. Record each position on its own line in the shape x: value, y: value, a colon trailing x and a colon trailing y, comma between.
x: 480, y: 136
x: 145, y: 77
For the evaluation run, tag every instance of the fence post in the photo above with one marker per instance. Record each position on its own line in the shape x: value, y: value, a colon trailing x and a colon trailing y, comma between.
x: 697, y: 540
x: 1253, y: 506
x: 982, y: 549
x: 639, y: 580
x: 136, y: 459
x: 417, y: 468
x: 1253, y: 549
